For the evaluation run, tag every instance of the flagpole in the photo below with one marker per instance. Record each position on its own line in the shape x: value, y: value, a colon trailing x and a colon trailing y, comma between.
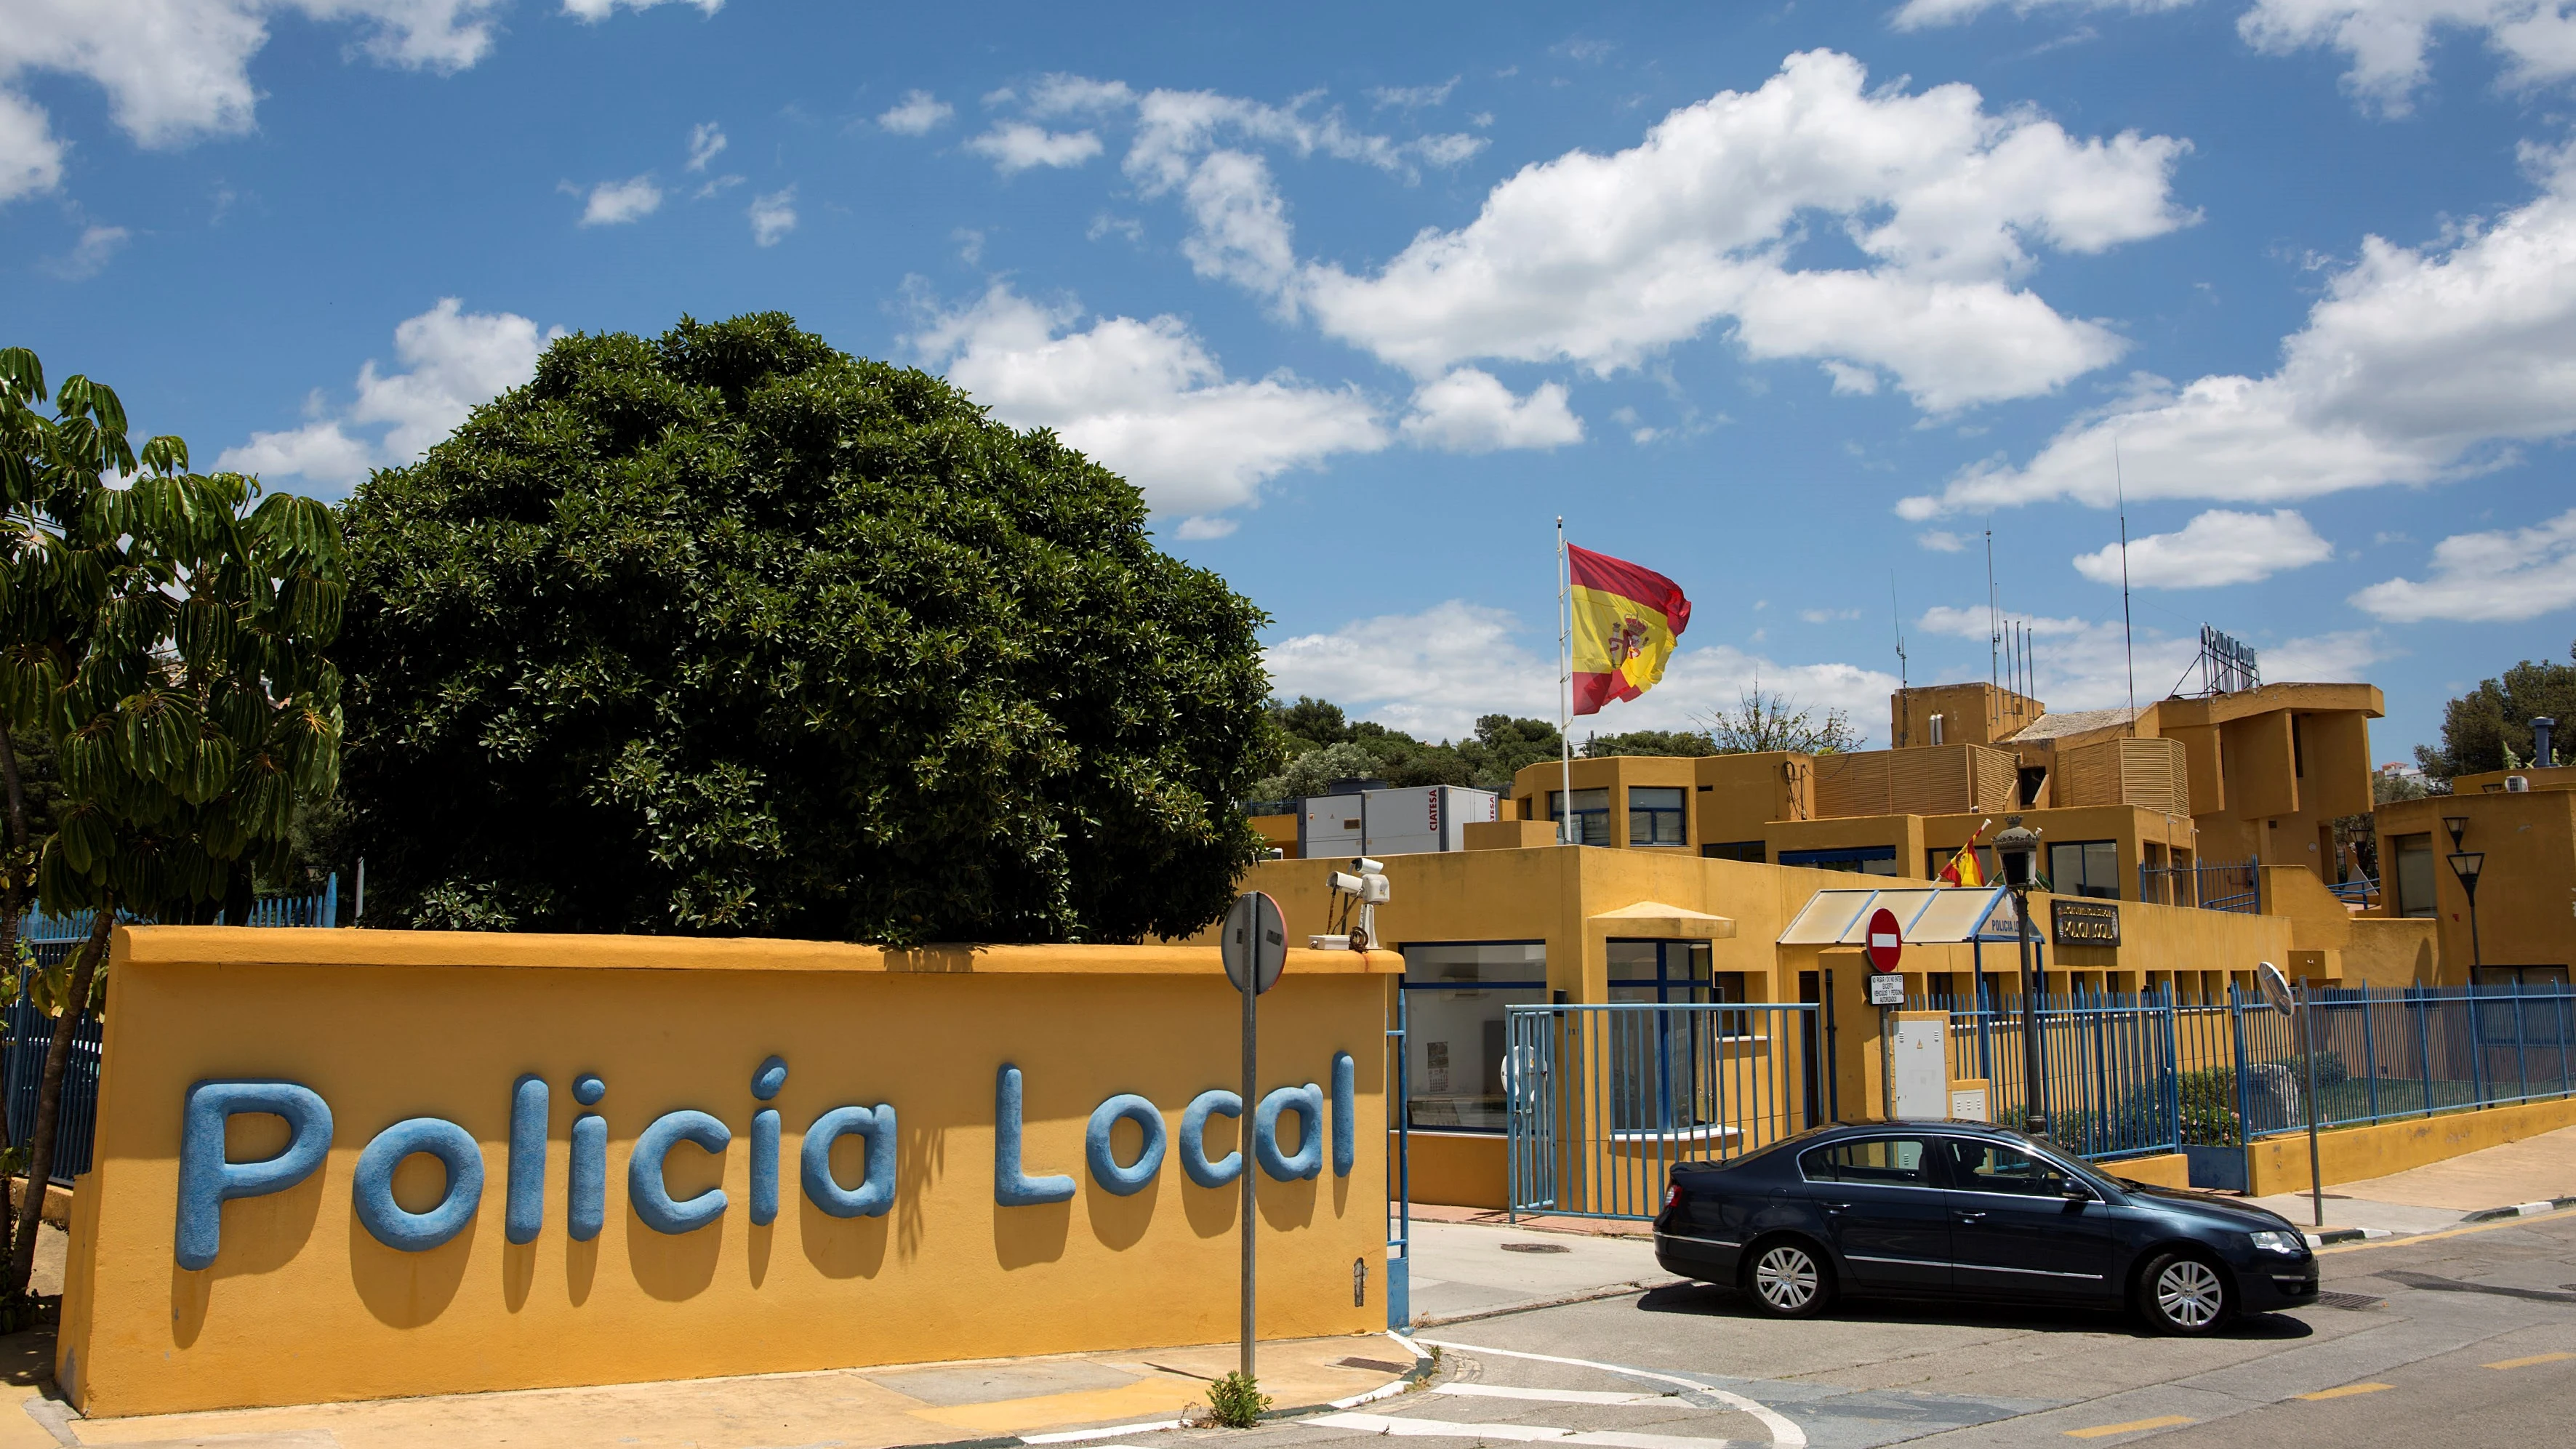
x: 1565, y: 688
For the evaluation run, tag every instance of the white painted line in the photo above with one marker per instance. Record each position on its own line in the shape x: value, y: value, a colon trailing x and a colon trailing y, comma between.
x: 1785, y: 1433
x: 1551, y: 1396
x: 1082, y: 1436
x: 2532, y: 1209
x: 1392, y: 1387
x: 1517, y: 1433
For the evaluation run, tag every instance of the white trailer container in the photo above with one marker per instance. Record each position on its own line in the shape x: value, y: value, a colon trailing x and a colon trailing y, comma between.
x: 1412, y: 821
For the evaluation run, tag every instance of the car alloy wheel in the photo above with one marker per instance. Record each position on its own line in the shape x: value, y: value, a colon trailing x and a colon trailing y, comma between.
x: 2189, y: 1295
x: 1787, y: 1280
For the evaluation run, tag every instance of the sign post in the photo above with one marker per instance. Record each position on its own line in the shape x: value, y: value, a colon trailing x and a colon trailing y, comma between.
x: 1255, y: 948
x: 1883, y: 947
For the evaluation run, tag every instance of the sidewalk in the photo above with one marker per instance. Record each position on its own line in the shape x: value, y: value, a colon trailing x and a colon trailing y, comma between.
x: 1474, y: 1264
x: 2427, y: 1199
x: 996, y: 1401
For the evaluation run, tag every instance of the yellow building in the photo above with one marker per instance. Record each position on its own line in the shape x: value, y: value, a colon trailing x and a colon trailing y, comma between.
x: 2523, y: 928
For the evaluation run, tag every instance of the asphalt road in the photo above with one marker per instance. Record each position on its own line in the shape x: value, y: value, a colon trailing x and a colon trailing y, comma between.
x: 2465, y: 1338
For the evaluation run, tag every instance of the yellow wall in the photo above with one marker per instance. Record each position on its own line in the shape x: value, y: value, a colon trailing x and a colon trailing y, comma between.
x: 2354, y: 1154
x: 2526, y: 912
x: 303, y: 1303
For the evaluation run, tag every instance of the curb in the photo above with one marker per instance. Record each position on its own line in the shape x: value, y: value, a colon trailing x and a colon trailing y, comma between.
x: 2520, y: 1210
x: 1588, y: 1295
x: 1421, y: 1370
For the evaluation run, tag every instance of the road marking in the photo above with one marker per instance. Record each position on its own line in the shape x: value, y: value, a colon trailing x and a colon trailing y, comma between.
x: 1550, y: 1396
x: 2515, y: 1363
x: 1785, y: 1433
x: 2346, y: 1392
x: 1518, y: 1433
x: 2105, y: 1431
x: 2409, y: 1239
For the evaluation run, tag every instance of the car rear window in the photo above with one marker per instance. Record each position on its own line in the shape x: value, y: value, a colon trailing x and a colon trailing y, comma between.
x: 1896, y: 1161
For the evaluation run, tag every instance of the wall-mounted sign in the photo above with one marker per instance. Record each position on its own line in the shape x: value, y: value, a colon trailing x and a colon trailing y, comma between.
x: 2085, y: 923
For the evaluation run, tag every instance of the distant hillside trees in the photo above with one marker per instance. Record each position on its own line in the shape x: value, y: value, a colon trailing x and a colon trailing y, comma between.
x: 2489, y: 728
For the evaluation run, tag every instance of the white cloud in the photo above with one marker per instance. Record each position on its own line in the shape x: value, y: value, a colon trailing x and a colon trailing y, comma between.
x: 706, y: 142
x: 595, y: 11
x: 1413, y: 98
x: 1940, y: 540
x: 773, y: 216
x: 2218, y: 547
x: 31, y: 160
x: 1828, y: 616
x: 1432, y: 673
x: 2494, y: 577
x: 456, y: 360
x: 1470, y: 411
x: 1924, y: 14
x: 1607, y: 260
x: 1015, y: 146
x: 615, y: 203
x: 2339, y: 657
x: 89, y: 256
x: 2387, y: 40
x: 1144, y: 398
x: 2419, y: 365
x: 917, y: 114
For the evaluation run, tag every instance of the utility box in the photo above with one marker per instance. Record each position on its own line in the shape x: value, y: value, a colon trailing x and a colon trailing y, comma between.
x: 1414, y: 821
x: 1969, y: 1101
x: 1918, y: 1065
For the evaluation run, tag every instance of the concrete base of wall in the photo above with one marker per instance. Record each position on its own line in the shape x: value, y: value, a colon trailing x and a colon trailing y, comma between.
x: 58, y: 1201
x: 2165, y: 1169
x: 2351, y: 1154
x: 1457, y: 1169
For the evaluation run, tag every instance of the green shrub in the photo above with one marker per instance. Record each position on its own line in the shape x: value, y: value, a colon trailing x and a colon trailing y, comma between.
x: 2209, y: 1108
x: 1236, y: 1402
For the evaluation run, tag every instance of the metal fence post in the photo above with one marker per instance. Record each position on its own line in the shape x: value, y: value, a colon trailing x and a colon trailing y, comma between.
x: 2244, y: 1084
x: 2423, y: 1043
x: 2521, y: 1069
x: 2369, y: 1056
x: 2173, y: 1067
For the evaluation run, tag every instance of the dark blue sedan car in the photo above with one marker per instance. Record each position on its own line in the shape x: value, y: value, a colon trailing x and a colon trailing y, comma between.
x: 1966, y: 1210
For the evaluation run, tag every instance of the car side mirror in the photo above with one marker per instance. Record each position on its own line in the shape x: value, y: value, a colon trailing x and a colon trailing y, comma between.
x: 2078, y: 1192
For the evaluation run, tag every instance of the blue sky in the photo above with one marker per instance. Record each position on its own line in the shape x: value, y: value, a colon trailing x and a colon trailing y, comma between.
x: 1793, y: 302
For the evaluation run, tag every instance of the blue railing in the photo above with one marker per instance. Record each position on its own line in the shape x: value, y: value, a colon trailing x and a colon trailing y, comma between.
x: 2228, y: 886
x: 2107, y: 1064
x: 2361, y: 890
x: 29, y: 1032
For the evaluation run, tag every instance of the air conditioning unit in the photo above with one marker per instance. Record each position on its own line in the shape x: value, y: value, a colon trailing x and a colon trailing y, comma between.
x: 2517, y: 784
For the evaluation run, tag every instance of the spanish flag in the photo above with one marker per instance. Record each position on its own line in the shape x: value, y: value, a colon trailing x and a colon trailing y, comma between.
x: 1626, y: 622
x: 1963, y: 869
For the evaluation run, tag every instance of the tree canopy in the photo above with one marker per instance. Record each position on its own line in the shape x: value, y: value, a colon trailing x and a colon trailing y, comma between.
x: 2489, y: 728
x: 730, y: 632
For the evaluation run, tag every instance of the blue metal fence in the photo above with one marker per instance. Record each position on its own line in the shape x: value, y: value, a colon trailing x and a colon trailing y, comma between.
x: 2107, y: 1062
x: 29, y: 1032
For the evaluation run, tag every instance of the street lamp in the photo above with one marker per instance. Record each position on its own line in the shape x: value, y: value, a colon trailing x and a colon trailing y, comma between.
x: 2458, y: 825
x: 2466, y: 865
x: 2017, y: 852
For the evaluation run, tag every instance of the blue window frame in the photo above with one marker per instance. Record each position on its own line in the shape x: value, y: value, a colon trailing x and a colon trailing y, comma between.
x: 1862, y: 859
x: 1655, y: 815
x: 1454, y: 1047
x: 1591, y: 812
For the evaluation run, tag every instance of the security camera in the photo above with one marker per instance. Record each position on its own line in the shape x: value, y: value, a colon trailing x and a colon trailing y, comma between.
x: 1366, y: 866
x: 1348, y: 884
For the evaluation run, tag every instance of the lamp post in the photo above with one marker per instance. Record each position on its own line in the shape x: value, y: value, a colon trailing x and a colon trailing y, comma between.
x: 2017, y: 852
x: 2466, y: 864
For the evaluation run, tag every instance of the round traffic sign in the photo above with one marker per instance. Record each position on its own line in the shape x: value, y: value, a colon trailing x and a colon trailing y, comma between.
x: 1255, y: 941
x: 1885, y: 944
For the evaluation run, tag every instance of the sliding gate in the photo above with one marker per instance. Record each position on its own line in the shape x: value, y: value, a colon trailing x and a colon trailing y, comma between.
x: 1604, y: 1099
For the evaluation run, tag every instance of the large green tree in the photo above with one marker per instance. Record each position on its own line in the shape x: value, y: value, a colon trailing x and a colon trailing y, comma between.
x: 2489, y: 728
x: 729, y: 632
x: 167, y: 639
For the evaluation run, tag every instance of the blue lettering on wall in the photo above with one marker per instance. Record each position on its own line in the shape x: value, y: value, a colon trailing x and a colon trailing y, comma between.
x: 1011, y: 1186
x: 1308, y: 1103
x: 1345, y: 1114
x: 587, y: 1203
x: 875, y: 1192
x: 371, y: 1190
x: 765, y: 1083
x: 1194, y: 1158
x: 650, y: 1194
x: 1102, y: 1155
x: 526, y: 1213
x: 206, y: 1179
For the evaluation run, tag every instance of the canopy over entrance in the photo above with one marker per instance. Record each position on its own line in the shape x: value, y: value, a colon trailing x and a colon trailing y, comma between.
x: 1929, y: 915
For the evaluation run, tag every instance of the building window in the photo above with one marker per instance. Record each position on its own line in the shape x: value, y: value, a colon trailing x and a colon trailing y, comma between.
x: 1655, y: 815
x: 2085, y: 868
x: 1735, y: 850
x: 1657, y: 1059
x: 1591, y: 809
x: 2414, y: 874
x: 1937, y: 860
x: 1455, y: 1031
x: 1861, y: 859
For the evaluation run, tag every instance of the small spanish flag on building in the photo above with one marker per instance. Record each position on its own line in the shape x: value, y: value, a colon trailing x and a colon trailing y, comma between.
x: 1625, y: 623
x: 1964, y: 868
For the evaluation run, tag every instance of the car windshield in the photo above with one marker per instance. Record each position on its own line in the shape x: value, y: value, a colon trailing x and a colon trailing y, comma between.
x: 2017, y: 1165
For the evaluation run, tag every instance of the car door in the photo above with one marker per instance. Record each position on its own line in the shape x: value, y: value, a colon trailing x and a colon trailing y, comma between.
x: 2023, y: 1226
x: 1882, y: 1203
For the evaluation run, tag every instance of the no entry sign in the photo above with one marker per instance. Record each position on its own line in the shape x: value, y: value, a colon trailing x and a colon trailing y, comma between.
x: 1886, y: 942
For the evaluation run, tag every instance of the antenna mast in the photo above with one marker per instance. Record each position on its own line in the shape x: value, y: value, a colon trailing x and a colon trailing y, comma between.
x: 2128, y: 635
x: 1904, y: 707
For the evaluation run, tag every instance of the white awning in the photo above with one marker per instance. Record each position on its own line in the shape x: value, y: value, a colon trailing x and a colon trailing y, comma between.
x: 1929, y: 915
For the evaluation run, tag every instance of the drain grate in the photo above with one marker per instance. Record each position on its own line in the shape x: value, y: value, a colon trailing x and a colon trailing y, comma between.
x: 1534, y: 1247
x: 2355, y: 1301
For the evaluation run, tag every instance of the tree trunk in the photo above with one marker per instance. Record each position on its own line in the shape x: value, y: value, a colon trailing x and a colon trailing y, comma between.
x: 49, y: 1101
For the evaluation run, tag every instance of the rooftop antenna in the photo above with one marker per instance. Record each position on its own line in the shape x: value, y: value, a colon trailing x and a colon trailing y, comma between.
x: 2128, y: 636
x: 1896, y: 613
x: 1994, y: 619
